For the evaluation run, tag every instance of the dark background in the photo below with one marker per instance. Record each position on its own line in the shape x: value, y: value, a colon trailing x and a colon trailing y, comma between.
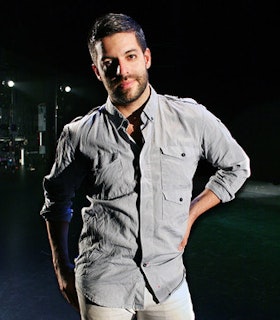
x: 224, y: 54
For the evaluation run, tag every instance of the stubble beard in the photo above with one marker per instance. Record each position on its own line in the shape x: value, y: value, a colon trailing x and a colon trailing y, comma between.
x: 123, y: 97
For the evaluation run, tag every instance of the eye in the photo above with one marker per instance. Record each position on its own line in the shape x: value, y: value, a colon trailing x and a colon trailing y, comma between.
x: 107, y: 63
x: 132, y: 56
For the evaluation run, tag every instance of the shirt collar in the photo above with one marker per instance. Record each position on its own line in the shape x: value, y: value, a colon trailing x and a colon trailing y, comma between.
x: 114, y: 115
x: 152, y: 105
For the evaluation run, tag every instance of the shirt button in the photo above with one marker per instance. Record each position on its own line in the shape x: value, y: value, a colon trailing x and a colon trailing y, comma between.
x: 183, y: 154
x: 145, y: 265
x: 181, y: 199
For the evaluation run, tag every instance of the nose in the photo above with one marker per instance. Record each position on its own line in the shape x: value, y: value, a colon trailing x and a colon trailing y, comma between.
x: 117, y: 68
x: 122, y: 68
x: 118, y: 71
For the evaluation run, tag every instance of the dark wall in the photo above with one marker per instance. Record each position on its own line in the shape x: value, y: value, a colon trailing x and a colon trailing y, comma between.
x: 224, y: 55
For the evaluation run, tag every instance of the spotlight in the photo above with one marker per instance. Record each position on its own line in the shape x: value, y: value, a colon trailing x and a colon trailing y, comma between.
x: 65, y: 89
x: 9, y: 83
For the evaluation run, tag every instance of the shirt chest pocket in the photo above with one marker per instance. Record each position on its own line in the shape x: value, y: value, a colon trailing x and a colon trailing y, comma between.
x: 178, y: 165
x: 110, y: 178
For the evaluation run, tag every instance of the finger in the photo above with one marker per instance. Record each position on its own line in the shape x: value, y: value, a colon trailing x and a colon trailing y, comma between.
x: 181, y: 246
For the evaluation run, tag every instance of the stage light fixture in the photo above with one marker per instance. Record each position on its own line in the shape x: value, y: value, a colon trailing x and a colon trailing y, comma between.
x: 66, y: 89
x: 8, y: 83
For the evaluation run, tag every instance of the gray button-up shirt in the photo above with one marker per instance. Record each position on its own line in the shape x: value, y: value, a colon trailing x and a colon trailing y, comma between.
x: 138, y: 198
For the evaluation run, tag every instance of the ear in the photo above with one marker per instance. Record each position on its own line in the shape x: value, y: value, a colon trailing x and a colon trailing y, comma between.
x: 95, y: 70
x: 148, y: 58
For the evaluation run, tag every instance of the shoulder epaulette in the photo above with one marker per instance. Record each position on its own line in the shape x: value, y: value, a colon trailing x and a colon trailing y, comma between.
x: 176, y: 98
x: 76, y: 119
x: 94, y: 109
x: 87, y: 114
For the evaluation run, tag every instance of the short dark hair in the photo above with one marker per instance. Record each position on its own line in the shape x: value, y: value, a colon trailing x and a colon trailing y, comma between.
x: 110, y: 24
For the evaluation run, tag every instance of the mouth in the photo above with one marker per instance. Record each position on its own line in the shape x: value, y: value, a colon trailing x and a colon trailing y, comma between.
x: 126, y: 84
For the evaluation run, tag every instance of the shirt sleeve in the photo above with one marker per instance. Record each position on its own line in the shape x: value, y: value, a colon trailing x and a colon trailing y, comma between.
x: 224, y: 153
x: 65, y: 177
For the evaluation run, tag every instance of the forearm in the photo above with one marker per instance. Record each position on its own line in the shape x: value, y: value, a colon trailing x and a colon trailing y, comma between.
x: 58, y: 239
x: 206, y: 200
x: 200, y: 204
x: 64, y: 269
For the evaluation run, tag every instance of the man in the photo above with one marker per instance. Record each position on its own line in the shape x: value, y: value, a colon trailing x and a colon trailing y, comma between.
x: 138, y: 154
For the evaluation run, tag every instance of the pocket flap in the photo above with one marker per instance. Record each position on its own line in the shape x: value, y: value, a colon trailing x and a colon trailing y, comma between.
x: 177, y: 196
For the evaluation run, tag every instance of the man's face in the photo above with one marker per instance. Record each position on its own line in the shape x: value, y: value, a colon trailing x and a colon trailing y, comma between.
x: 122, y: 67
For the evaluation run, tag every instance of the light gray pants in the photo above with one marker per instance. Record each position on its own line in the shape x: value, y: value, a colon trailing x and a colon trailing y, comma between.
x: 177, y: 307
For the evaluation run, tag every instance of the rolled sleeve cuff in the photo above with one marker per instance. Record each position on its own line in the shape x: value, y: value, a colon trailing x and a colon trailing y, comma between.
x: 225, y: 186
x: 56, y: 215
